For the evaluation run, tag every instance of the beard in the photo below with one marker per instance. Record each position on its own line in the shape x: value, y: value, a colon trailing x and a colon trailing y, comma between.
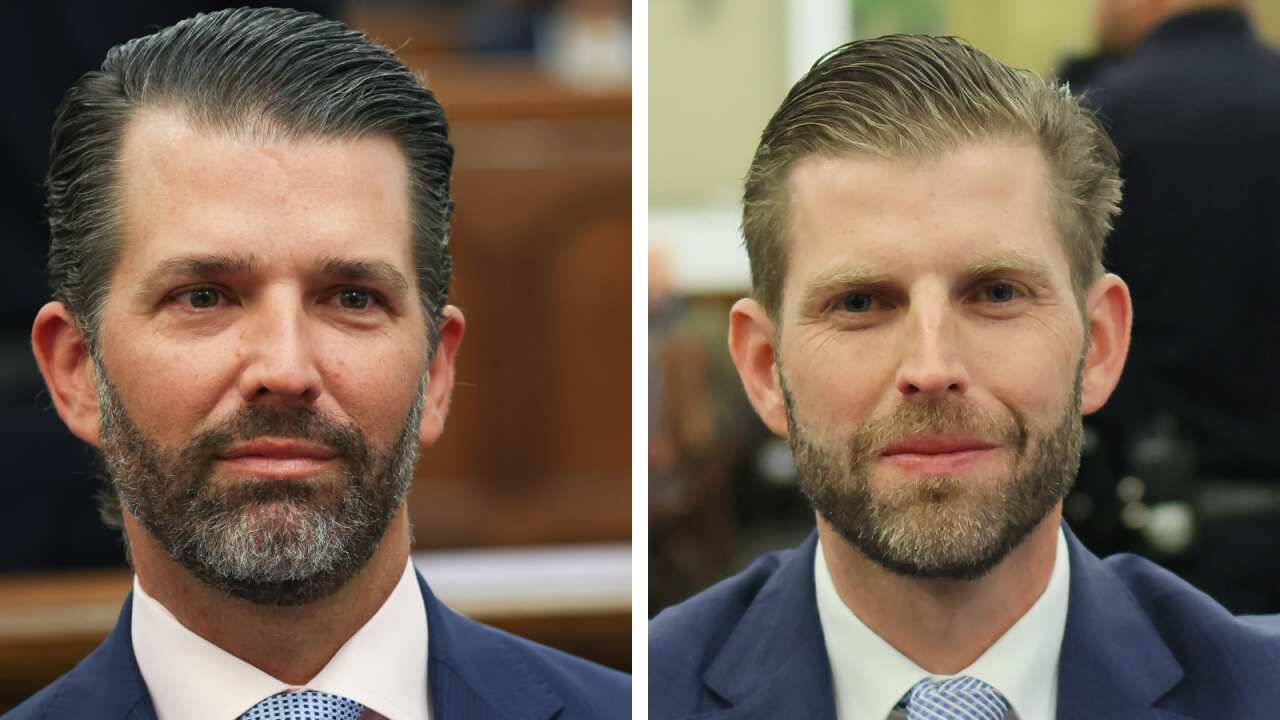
x: 940, y: 526
x: 271, y: 541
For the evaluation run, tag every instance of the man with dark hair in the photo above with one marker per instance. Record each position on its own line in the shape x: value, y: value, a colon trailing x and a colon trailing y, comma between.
x: 929, y: 320
x: 249, y: 214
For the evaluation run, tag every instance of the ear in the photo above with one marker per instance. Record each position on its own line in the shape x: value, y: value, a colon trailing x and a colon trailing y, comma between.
x: 751, y: 338
x: 1110, y: 313
x: 67, y: 369
x: 440, y: 376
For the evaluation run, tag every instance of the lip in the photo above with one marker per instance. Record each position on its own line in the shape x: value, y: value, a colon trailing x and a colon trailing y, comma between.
x: 278, y: 449
x: 937, y: 445
x: 938, y: 453
x: 278, y: 458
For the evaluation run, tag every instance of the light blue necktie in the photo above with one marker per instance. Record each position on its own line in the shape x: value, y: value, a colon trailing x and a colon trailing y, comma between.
x: 958, y: 698
x: 305, y: 705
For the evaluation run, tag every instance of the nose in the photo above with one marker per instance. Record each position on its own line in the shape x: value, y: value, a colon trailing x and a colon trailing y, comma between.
x: 279, y: 357
x: 932, y: 362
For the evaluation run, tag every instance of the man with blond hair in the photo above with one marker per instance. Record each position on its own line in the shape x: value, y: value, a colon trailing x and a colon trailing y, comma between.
x: 929, y: 320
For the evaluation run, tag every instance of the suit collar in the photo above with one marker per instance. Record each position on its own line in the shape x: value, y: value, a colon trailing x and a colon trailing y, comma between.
x: 477, y: 672
x: 775, y: 663
x: 1114, y: 662
x: 108, y: 683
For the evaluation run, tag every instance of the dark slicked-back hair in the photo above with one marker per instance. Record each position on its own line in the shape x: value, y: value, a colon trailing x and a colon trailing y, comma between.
x: 913, y: 97
x: 282, y: 73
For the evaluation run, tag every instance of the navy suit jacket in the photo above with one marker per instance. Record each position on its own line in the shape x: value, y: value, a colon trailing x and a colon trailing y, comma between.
x: 1140, y: 643
x: 474, y: 671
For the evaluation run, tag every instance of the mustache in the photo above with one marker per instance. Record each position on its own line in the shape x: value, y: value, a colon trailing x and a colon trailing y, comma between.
x: 911, y: 419
x: 293, y: 423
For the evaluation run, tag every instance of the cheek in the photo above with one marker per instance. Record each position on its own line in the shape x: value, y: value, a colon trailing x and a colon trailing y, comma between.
x: 168, y: 388
x: 837, y: 385
x: 1032, y: 379
x: 374, y: 383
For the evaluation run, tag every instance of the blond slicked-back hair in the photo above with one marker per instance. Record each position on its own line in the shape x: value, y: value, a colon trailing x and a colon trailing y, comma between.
x: 913, y: 97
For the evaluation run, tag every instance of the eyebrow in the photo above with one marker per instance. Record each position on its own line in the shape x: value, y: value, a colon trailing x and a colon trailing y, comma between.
x: 377, y: 272
x: 1011, y: 262
x: 193, y: 266
x: 212, y: 265
x: 824, y: 283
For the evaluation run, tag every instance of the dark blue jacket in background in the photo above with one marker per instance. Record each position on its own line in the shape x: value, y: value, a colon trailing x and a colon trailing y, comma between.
x: 1195, y: 113
x: 1140, y: 644
x: 475, y: 673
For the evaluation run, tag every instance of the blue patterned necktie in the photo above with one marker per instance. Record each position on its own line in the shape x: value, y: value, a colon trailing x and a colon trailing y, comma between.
x: 958, y: 698
x: 305, y: 705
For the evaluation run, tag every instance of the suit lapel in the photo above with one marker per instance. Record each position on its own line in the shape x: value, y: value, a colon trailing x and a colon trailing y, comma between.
x: 1114, y: 664
x: 477, y: 673
x: 107, y: 684
x: 775, y: 662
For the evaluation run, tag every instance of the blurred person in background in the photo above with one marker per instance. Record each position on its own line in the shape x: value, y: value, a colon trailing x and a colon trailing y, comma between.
x: 1191, y: 97
x: 249, y: 216
x: 929, y: 321
x: 697, y: 433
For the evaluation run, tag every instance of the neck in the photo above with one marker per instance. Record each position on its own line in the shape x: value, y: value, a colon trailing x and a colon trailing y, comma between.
x: 942, y: 625
x: 292, y: 644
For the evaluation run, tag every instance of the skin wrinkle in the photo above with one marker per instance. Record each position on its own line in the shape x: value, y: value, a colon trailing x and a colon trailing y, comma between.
x: 307, y: 539
x: 211, y: 530
x: 205, y: 136
x: 917, y: 157
x: 933, y: 321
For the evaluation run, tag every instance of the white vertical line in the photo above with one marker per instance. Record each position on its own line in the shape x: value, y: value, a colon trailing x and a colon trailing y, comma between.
x: 639, y: 358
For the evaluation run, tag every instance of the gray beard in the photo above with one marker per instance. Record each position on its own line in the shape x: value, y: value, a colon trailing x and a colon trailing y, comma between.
x: 939, y: 526
x: 277, y: 542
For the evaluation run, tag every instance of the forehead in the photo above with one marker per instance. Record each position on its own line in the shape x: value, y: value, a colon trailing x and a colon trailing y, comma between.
x: 185, y: 189
x: 905, y: 218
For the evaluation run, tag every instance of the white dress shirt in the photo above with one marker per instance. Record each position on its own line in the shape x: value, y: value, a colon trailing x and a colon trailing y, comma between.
x: 383, y: 666
x: 870, y: 676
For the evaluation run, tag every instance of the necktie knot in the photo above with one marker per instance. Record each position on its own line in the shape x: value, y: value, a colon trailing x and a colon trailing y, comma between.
x: 305, y: 705
x: 958, y: 698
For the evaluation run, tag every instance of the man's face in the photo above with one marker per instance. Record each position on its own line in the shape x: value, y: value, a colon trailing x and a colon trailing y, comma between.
x: 264, y: 353
x: 930, y: 353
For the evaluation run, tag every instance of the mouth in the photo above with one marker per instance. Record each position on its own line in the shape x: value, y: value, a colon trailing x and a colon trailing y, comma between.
x: 935, y: 454
x: 277, y: 458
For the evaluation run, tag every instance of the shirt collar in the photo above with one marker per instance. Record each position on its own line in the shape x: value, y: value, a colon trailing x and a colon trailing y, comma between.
x: 870, y: 676
x: 383, y: 666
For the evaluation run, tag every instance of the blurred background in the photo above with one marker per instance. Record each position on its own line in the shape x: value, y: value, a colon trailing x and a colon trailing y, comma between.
x: 1183, y: 464
x: 522, y: 513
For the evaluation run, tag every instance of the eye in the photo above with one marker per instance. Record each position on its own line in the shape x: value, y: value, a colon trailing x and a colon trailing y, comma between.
x: 202, y: 298
x: 857, y: 302
x: 353, y: 299
x: 1000, y: 292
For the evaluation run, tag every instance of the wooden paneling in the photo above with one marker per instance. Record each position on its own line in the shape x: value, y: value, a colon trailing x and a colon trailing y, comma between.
x: 537, y: 445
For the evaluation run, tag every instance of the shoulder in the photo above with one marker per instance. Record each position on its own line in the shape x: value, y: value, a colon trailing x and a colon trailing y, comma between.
x: 585, y: 689
x: 1222, y: 655
x: 685, y: 638
x: 704, y: 620
x: 37, y: 706
x: 588, y: 690
x: 1189, y: 619
x: 94, y: 687
x: 105, y: 684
